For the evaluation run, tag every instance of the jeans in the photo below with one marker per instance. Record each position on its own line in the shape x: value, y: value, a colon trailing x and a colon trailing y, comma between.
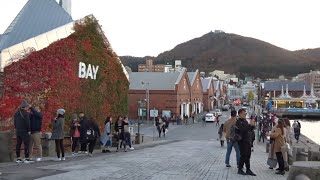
x: 229, y: 149
x: 25, y: 138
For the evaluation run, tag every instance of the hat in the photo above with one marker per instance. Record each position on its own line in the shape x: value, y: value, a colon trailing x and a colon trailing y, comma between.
x: 24, y: 104
x: 61, y: 111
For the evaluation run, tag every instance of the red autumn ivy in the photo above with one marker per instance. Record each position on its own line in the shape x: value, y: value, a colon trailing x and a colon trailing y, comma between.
x: 49, y: 78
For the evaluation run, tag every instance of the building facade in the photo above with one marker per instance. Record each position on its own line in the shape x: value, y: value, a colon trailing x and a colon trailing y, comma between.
x: 274, y: 88
x: 208, y: 94
x: 150, y: 67
x: 196, y: 92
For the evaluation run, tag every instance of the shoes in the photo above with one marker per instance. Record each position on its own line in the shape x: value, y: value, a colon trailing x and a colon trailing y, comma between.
x: 104, y: 151
x: 270, y: 167
x: 286, y: 168
x: 280, y: 172
x: 228, y: 165
x: 86, y: 152
x: 19, y: 160
x: 38, y: 159
x: 57, y: 159
x: 131, y: 148
x: 27, y: 160
x: 277, y: 169
x: 240, y: 171
x: 90, y: 154
x: 63, y: 159
x: 249, y: 172
x: 125, y: 150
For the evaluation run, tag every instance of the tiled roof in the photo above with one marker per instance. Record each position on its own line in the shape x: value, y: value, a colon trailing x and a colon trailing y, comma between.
x: 206, y: 84
x: 156, y: 80
x: 35, y: 18
x: 191, y: 76
x: 216, y: 85
x: 292, y: 86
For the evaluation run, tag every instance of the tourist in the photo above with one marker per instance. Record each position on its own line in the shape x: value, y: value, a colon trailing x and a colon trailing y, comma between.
x: 127, y: 133
x: 74, y: 133
x: 58, y: 134
x: 226, y: 129
x: 106, y: 138
x: 93, y: 133
x: 35, y: 126
x: 245, y: 131
x: 118, y: 127
x: 296, y: 129
x: 22, y: 126
x: 217, y: 120
x: 222, y: 137
x: 272, y: 157
x: 84, y: 125
x: 160, y: 126
x: 279, y: 140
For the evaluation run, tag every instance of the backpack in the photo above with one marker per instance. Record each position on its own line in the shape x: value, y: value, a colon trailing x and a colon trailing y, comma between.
x: 234, y: 136
x: 91, y: 135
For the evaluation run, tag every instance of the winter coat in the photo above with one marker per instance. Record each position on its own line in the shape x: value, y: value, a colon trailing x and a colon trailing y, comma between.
x: 84, y: 126
x: 106, y: 134
x: 35, y: 120
x: 73, y: 128
x: 58, y: 126
x: 93, y: 125
x: 22, y: 121
x: 278, y: 139
x: 245, y: 131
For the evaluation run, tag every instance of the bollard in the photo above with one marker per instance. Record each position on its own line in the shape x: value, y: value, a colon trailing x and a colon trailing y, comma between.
x: 313, y: 155
x: 296, y: 154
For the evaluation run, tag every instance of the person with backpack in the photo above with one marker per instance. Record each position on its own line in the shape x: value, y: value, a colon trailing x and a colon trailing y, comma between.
x: 244, y: 129
x: 230, y: 131
x: 93, y: 133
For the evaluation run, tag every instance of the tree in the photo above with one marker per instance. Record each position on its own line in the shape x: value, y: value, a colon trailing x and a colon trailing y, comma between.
x: 250, y: 97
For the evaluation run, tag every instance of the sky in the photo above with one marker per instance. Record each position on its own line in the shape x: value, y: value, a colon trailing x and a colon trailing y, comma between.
x: 150, y: 27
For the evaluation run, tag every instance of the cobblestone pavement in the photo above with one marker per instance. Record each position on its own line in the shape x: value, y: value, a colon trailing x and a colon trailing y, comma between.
x: 191, y: 152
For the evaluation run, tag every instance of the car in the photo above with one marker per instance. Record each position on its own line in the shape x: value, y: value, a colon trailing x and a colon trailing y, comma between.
x: 217, y: 112
x: 226, y: 107
x: 210, y: 117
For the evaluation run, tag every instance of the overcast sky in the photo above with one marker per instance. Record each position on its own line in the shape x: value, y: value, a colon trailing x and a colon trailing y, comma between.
x: 149, y: 27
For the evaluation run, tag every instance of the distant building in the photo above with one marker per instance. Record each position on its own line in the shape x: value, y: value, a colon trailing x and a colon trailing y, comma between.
x: 177, y: 65
x: 150, y: 67
x: 274, y: 88
x: 313, y: 77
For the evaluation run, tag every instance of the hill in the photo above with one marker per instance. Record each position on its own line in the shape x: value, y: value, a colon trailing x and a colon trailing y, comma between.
x: 238, y: 54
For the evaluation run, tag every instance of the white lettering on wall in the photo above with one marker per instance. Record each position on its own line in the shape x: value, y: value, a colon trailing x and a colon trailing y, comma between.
x: 88, y: 72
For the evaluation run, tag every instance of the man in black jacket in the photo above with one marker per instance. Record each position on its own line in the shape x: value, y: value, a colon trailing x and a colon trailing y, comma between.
x: 245, y: 131
x: 84, y: 126
x: 22, y: 126
x: 35, y: 126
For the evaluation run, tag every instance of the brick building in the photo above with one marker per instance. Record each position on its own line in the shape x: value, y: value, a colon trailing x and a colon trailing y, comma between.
x: 208, y: 94
x: 167, y: 92
x: 196, y: 94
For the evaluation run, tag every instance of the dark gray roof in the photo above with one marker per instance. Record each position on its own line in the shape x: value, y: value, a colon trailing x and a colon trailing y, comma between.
x: 157, y: 80
x: 35, y: 18
x: 191, y: 76
x: 206, y: 84
x: 292, y: 86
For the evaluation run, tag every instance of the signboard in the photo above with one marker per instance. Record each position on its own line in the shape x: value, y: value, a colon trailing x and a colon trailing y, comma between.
x: 154, y: 113
x: 166, y: 113
x: 87, y: 72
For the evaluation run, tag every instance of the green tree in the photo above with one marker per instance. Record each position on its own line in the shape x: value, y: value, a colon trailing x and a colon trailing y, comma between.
x: 250, y: 97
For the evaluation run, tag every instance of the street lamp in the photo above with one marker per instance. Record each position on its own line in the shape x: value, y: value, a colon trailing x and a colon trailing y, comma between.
x: 147, y: 97
x: 140, y: 104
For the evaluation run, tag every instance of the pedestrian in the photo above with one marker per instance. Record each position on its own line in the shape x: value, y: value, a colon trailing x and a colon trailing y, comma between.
x: 127, y: 135
x: 58, y: 134
x: 279, y: 140
x: 296, y: 129
x: 74, y: 133
x: 227, y: 130
x: 222, y: 137
x: 244, y: 130
x: 84, y: 125
x: 118, y: 127
x: 106, y: 138
x: 193, y: 118
x: 217, y: 120
x: 160, y: 126
x: 93, y: 133
x: 23, y: 131
x: 35, y: 126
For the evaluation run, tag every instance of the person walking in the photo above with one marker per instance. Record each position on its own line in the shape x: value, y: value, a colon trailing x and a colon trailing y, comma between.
x: 74, y: 133
x: 222, y: 137
x: 84, y: 125
x: 217, y: 120
x: 35, y: 126
x: 106, y: 138
x: 93, y: 133
x: 227, y: 130
x: 160, y: 126
x: 279, y: 140
x: 245, y: 131
x: 23, y: 131
x: 58, y: 134
x: 118, y: 127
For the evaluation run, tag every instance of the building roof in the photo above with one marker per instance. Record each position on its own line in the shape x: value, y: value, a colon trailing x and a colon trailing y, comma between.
x: 216, y: 85
x: 156, y: 80
x: 292, y: 86
x: 35, y: 18
x: 206, y: 82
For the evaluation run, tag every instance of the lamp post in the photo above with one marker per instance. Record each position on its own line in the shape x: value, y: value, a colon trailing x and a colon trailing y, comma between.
x: 139, y: 102
x: 147, y: 98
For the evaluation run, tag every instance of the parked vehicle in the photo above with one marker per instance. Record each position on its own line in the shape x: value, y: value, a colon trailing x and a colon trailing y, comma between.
x: 210, y: 117
x: 217, y: 112
x: 226, y: 107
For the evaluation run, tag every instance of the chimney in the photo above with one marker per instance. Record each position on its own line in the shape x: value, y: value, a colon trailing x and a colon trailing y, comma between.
x: 66, y: 5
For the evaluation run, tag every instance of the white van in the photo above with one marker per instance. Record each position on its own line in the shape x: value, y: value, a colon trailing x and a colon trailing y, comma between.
x: 210, y: 117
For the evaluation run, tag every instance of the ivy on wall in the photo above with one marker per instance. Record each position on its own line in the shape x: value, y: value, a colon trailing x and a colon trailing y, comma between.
x: 49, y: 78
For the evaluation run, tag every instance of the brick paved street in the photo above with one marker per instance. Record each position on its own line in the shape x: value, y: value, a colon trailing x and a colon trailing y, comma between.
x: 195, y: 154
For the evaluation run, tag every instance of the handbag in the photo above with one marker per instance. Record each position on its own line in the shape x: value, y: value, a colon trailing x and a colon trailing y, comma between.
x: 272, y: 162
x: 285, y: 147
